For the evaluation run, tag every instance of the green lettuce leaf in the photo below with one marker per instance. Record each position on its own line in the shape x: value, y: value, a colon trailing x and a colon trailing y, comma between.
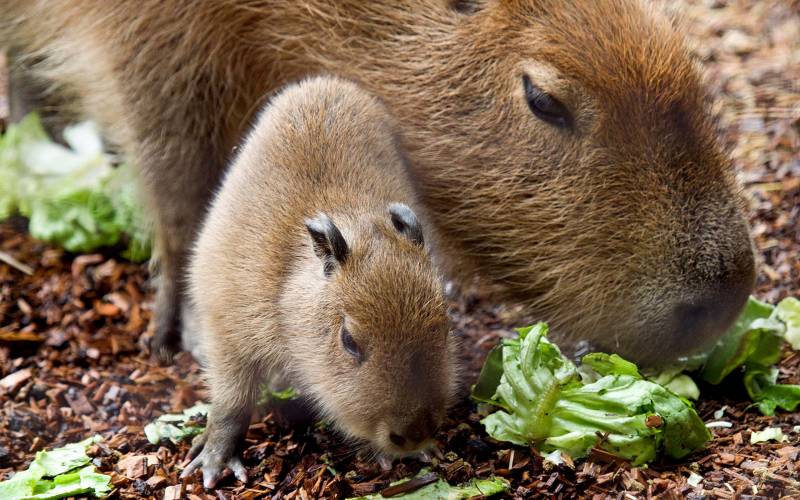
x: 444, y: 491
x: 754, y: 344
x: 28, y: 130
x: 679, y: 383
x: 176, y: 427
x: 761, y: 384
x: 66, y: 458
x: 544, y: 403
x: 756, y: 337
x: 67, y: 466
x: 84, y: 481
x: 788, y: 311
x: 74, y: 196
x: 610, y: 364
x: 489, y: 379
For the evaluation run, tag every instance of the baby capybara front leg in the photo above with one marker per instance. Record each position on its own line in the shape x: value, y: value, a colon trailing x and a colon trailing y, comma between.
x: 232, y: 399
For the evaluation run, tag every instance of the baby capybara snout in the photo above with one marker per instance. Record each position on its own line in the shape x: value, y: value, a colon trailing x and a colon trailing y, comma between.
x: 418, y: 407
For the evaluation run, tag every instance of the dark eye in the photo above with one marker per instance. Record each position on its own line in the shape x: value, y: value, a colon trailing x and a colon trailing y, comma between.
x: 545, y: 106
x: 350, y: 345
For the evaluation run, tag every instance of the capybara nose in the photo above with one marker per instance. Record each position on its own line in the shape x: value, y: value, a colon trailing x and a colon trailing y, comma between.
x: 707, y: 313
x: 397, y: 439
x: 420, y: 429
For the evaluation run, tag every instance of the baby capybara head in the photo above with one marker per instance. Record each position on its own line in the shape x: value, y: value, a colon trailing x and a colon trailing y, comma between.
x: 612, y: 210
x: 384, y: 370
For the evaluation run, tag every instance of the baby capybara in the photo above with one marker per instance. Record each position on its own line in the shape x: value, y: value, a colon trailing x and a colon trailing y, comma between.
x: 563, y: 148
x: 311, y: 271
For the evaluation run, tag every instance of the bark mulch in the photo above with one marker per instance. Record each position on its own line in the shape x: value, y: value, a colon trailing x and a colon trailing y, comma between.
x: 73, y: 360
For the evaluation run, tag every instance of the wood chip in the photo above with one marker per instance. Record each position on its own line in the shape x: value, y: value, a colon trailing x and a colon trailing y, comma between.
x: 11, y: 382
x: 173, y: 492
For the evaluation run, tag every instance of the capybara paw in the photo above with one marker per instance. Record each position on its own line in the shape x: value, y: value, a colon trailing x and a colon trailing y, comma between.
x: 213, y: 461
x: 163, y: 348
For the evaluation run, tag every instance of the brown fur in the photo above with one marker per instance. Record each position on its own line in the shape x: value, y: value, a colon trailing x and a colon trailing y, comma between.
x: 266, y: 309
x: 626, y: 230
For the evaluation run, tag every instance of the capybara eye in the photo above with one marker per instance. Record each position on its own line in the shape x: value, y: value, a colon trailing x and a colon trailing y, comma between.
x: 350, y: 346
x: 546, y: 107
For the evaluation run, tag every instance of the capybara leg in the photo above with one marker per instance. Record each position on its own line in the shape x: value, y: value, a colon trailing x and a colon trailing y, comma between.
x: 180, y: 187
x: 169, y: 295
x: 233, y: 393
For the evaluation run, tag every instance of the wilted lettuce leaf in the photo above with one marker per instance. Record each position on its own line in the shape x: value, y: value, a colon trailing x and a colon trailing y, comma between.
x: 74, y: 197
x: 544, y: 403
x: 68, y: 470
x: 444, y: 491
x: 768, y: 434
x: 176, y: 427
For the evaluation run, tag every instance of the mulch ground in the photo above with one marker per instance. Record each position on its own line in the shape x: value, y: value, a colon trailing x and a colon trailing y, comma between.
x: 73, y: 361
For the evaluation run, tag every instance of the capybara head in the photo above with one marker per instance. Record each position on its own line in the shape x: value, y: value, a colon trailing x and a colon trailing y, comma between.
x: 581, y: 170
x: 380, y: 360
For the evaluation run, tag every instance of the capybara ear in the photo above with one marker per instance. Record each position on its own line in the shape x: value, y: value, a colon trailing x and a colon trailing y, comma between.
x: 405, y: 221
x: 328, y: 242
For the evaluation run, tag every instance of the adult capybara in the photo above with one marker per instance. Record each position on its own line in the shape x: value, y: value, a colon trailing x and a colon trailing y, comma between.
x: 563, y: 148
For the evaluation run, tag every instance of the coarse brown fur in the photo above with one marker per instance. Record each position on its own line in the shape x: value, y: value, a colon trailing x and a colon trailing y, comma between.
x: 271, y: 305
x: 625, y: 229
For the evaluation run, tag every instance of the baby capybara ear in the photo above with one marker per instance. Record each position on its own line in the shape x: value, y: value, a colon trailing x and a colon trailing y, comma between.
x: 405, y: 221
x: 328, y: 242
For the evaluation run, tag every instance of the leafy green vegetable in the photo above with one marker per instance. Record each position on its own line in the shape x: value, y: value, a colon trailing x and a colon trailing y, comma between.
x: 270, y: 396
x: 442, y: 490
x: 788, y: 311
x: 677, y: 382
x: 754, y: 343
x: 27, y: 130
x: 68, y: 470
x: 176, y: 427
x: 66, y: 458
x: 768, y: 434
x: 610, y: 364
x: 755, y: 337
x: 544, y: 402
x: 761, y: 384
x: 489, y: 378
x: 75, y: 196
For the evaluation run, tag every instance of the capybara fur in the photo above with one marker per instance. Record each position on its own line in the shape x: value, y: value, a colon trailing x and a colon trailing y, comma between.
x: 311, y: 268
x: 563, y: 148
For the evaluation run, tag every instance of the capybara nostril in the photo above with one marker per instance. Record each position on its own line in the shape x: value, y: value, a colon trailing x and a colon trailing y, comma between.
x: 397, y: 439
